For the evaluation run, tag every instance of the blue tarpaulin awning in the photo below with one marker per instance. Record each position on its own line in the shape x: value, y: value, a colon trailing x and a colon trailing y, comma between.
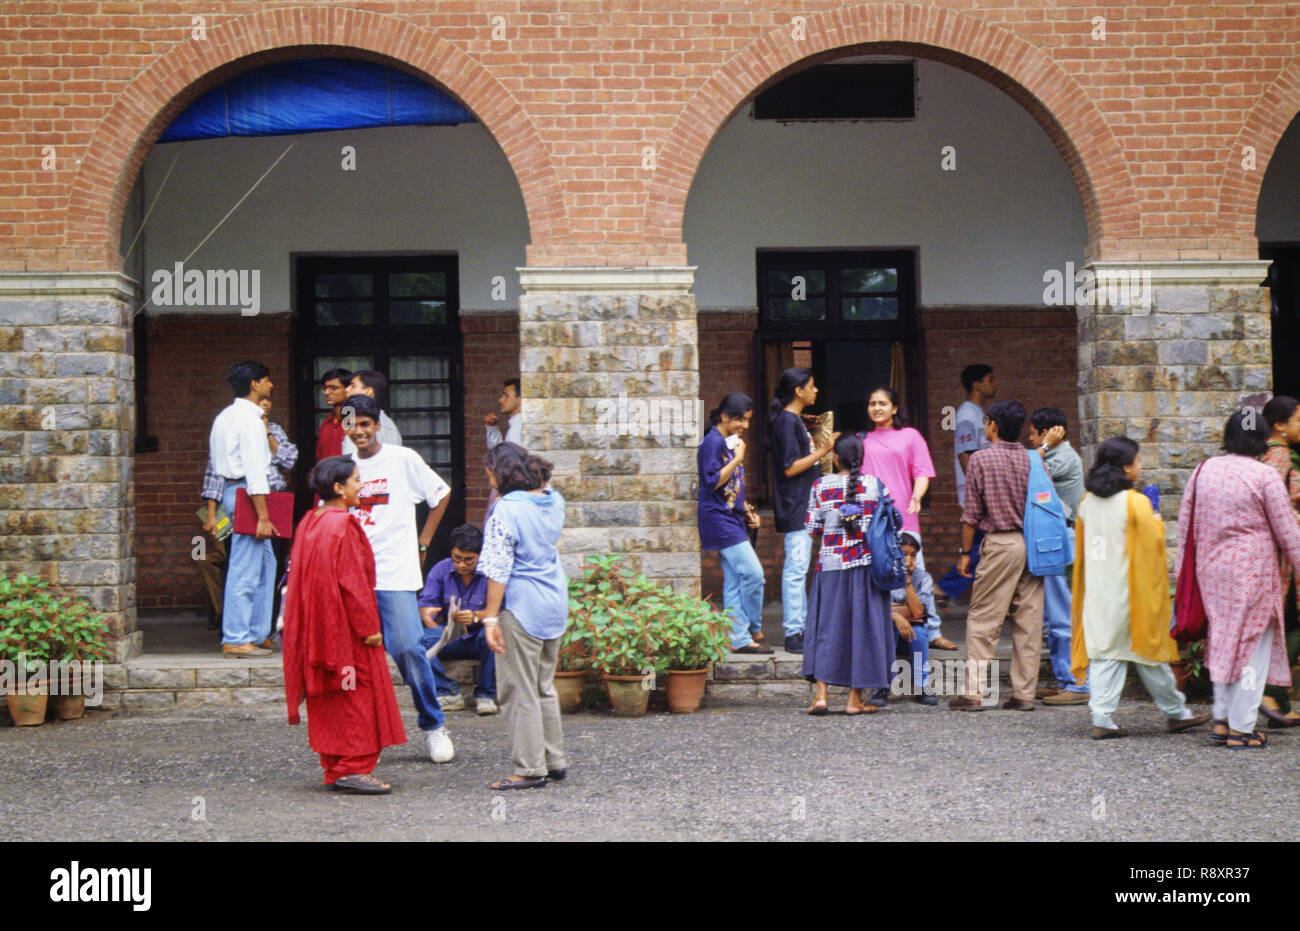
x: 314, y: 95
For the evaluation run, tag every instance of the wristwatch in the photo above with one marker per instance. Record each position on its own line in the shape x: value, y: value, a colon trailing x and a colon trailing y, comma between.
x: 424, y: 547
x: 961, y: 552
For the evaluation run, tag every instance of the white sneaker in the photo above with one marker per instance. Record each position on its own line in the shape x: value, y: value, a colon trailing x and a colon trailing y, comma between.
x: 440, y: 748
x: 452, y: 702
x: 485, y: 706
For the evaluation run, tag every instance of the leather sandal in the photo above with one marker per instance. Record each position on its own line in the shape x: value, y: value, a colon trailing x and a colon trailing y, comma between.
x: 851, y: 710
x: 1276, y: 719
x: 361, y: 784
x: 818, y: 708
x: 942, y: 643
x: 523, y: 782
x: 1221, y: 738
x: 1252, y: 741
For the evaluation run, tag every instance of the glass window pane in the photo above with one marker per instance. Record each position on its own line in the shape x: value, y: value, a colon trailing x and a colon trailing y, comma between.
x: 345, y: 313
x: 869, y: 308
x: 418, y: 368
x: 344, y: 285
x: 441, y: 452
x: 782, y: 284
x: 417, y: 312
x: 814, y: 308
x: 415, y: 423
x: 858, y: 280
x: 351, y: 363
x: 417, y: 284
x: 425, y: 449
x: 407, y: 396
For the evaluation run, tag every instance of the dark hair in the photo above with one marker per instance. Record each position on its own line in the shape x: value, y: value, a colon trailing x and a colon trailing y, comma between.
x: 1106, y: 477
x: 330, y: 472
x: 733, y: 405
x: 362, y: 406
x: 1045, y: 418
x: 516, y: 469
x: 1279, y: 410
x: 343, y: 375
x: 513, y: 383
x: 900, y: 417
x: 243, y: 374
x: 973, y: 373
x: 907, y: 539
x: 790, y: 380
x: 849, y: 450
x: 468, y: 538
x: 1009, y: 417
x: 1245, y: 433
x: 375, y: 380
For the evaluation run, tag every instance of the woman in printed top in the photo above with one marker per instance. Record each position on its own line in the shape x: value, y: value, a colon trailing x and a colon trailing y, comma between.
x: 723, y: 518
x: 1282, y: 414
x: 849, y: 640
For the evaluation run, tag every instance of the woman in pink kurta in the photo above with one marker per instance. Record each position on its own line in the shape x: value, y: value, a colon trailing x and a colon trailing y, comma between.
x: 897, y: 454
x: 1243, y: 517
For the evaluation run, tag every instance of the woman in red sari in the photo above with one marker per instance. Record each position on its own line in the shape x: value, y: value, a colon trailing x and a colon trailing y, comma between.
x: 333, y: 650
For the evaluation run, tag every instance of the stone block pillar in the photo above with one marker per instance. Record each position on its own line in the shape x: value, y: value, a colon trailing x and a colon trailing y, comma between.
x: 67, y: 418
x: 1166, y: 353
x: 610, y: 378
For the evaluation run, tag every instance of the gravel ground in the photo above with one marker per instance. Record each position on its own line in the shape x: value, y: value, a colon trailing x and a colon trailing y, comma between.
x: 741, y: 773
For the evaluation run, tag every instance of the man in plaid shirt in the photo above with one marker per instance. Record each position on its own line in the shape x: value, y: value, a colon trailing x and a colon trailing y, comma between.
x: 997, y: 484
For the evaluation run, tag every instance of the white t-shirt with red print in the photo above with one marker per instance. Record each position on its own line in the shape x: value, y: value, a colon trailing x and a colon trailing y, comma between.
x: 393, y: 481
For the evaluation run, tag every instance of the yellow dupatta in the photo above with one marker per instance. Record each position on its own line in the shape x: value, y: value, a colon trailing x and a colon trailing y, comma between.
x: 1148, y: 588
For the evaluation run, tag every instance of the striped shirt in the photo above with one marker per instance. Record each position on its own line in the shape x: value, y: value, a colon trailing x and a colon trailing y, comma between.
x: 997, y: 484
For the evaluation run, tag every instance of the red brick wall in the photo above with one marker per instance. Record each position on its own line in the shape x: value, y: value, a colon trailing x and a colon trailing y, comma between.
x: 188, y: 356
x: 491, y: 355
x: 1151, y: 119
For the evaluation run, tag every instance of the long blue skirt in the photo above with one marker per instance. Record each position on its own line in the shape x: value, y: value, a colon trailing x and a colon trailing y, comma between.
x: 849, y: 637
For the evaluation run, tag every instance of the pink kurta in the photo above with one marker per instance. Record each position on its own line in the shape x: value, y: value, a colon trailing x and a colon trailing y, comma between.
x: 898, y: 458
x: 1243, y: 517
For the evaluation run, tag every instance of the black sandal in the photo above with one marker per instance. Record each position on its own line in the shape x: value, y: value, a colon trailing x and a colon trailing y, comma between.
x: 1246, y: 739
x: 1221, y: 738
x: 525, y: 782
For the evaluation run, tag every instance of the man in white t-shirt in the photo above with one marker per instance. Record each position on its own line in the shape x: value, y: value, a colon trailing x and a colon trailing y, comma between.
x: 969, y: 438
x: 393, y: 480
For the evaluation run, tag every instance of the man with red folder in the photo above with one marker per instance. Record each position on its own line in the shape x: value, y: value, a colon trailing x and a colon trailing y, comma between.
x: 240, y: 455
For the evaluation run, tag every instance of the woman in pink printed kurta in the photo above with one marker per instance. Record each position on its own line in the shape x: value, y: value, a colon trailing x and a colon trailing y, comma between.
x: 1243, y: 517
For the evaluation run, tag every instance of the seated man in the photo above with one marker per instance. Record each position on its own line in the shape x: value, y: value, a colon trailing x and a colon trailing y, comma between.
x: 454, y: 588
x: 912, y: 611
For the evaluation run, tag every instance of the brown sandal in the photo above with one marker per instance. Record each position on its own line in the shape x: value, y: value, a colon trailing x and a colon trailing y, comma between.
x: 852, y: 710
x: 818, y: 708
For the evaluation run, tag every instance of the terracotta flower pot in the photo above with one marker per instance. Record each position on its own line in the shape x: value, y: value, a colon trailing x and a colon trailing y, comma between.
x: 1182, y: 670
x: 569, y: 686
x: 685, y: 689
x: 627, y: 694
x: 68, y: 707
x: 27, y: 704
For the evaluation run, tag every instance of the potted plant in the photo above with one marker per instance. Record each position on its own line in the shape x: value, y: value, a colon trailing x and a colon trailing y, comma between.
x: 25, y: 643
x: 692, y: 635
x: 1190, y: 665
x: 78, y: 637
x: 574, y: 659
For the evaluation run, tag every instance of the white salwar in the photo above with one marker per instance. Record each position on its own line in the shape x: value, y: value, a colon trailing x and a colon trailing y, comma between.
x: 1237, y: 704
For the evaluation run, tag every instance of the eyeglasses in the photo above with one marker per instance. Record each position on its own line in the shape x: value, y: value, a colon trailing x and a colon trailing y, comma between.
x: 464, y: 558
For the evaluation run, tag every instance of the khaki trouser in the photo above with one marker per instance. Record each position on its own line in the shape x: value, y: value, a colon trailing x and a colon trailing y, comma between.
x: 526, y: 690
x: 1003, y: 586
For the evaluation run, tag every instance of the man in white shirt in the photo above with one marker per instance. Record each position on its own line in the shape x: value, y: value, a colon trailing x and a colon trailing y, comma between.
x: 240, y: 455
x: 373, y: 385
x: 969, y: 438
x: 510, y: 404
x: 393, y: 480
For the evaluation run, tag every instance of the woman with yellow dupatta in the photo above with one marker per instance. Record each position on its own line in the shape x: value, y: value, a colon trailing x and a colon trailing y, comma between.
x: 1120, y: 612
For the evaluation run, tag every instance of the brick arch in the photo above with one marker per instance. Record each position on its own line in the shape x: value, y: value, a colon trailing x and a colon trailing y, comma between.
x: 117, y: 150
x: 1024, y: 72
x: 1263, y: 128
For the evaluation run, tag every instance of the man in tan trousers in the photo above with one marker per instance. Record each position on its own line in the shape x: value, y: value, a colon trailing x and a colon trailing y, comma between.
x: 997, y: 483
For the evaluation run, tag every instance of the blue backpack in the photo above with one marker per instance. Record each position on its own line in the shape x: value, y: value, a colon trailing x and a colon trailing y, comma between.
x: 888, y: 570
x: 1049, y: 545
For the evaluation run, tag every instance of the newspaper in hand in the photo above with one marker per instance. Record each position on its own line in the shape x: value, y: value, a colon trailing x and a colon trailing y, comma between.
x: 453, y: 630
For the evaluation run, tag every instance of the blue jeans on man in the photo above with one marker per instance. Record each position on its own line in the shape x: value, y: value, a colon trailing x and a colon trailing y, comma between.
x: 250, y: 581
x: 1056, y: 624
x: 794, y: 581
x: 399, y: 616
x: 473, y: 646
x: 917, y: 651
x: 742, y: 592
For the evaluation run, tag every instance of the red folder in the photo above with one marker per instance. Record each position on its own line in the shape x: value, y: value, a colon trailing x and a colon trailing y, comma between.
x: 279, y: 507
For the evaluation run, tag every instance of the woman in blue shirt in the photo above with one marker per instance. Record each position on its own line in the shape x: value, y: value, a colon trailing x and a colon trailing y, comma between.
x: 723, y: 520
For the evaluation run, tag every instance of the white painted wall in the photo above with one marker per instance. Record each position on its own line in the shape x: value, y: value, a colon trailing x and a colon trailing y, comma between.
x: 986, y: 232
x: 434, y: 188
x: 1278, y: 216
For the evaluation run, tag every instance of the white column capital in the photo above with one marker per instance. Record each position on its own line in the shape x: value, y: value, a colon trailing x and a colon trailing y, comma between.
x: 644, y: 279
x: 67, y: 284
x: 1209, y: 273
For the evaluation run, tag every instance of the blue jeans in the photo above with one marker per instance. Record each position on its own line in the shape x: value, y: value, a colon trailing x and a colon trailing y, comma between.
x: 399, y: 614
x: 918, y: 654
x: 472, y: 647
x: 1056, y: 624
x: 742, y: 591
x: 794, y: 581
x: 250, y: 581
